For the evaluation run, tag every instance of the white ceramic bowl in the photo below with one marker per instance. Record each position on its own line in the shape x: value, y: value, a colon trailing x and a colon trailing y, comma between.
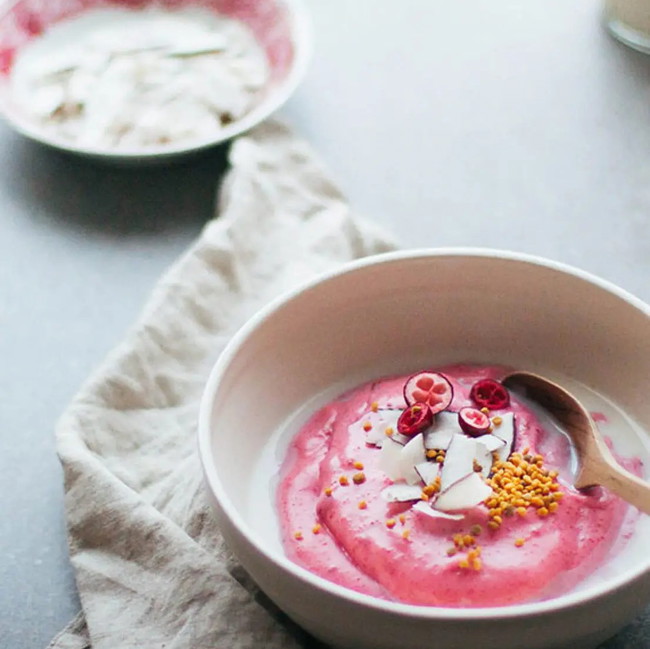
x: 280, y: 26
x: 397, y: 313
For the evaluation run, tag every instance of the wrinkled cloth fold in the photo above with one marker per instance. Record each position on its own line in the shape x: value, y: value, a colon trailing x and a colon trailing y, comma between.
x: 151, y: 567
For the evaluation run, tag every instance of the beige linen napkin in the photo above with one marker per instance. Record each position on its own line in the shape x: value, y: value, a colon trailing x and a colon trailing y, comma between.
x: 151, y: 566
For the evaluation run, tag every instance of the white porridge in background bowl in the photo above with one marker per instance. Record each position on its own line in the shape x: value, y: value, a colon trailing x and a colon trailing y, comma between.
x: 147, y: 81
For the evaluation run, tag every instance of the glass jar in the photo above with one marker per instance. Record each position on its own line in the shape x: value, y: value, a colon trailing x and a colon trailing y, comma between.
x: 629, y: 21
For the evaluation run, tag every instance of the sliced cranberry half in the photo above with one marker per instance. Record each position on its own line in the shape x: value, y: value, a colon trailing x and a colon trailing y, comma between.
x: 414, y: 419
x: 473, y: 421
x: 431, y: 388
x: 488, y: 393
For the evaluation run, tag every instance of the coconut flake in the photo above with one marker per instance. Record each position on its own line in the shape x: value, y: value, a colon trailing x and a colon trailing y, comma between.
x: 459, y: 460
x: 380, y: 421
x: 464, y: 494
x: 103, y: 76
x: 400, y: 493
x: 439, y: 435
x: 390, y: 459
x: 412, y: 454
x: 428, y: 471
x: 426, y: 508
x: 400, y: 439
x: 491, y: 442
x: 483, y: 457
x: 206, y: 44
x: 505, y: 431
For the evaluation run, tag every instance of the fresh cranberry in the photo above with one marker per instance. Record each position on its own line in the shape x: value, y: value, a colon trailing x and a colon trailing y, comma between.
x: 473, y: 421
x: 431, y: 388
x: 488, y: 393
x: 414, y: 419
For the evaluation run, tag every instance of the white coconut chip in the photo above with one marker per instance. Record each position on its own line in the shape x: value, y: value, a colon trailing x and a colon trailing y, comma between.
x: 491, y: 442
x: 380, y: 420
x: 464, y: 494
x: 505, y: 431
x: 426, y: 508
x: 439, y: 435
x: 459, y: 460
x: 400, y: 493
x: 390, y: 459
x: 483, y: 456
x: 412, y: 454
x: 400, y: 439
x: 428, y: 471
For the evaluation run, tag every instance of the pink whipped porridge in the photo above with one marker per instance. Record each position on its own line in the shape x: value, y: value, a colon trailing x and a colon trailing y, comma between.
x: 442, y: 489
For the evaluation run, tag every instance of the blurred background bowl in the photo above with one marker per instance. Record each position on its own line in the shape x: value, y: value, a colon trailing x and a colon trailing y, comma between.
x: 281, y: 27
x: 395, y: 314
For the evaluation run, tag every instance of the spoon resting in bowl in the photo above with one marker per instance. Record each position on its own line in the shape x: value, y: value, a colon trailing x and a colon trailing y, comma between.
x: 596, y: 464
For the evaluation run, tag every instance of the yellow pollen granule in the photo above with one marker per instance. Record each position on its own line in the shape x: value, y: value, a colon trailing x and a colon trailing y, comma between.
x: 429, y: 490
x: 485, y: 411
x: 367, y: 426
x: 468, y: 540
x: 519, y: 542
x: 358, y: 465
x: 359, y: 478
x: 451, y: 551
x: 374, y: 406
x: 406, y: 534
x: 389, y: 431
x: 328, y: 491
x: 497, y: 421
x: 316, y: 529
x: 343, y: 481
x: 390, y: 523
x: 402, y: 519
x: 477, y: 564
x: 431, y: 453
x: 362, y: 504
x: 518, y: 484
x: 463, y: 564
x: 297, y: 536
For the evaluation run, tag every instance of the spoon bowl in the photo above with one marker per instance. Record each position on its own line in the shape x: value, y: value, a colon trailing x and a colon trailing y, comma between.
x: 596, y: 464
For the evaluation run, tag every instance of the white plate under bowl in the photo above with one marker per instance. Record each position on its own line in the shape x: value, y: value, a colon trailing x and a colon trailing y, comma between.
x: 397, y: 313
x: 281, y: 27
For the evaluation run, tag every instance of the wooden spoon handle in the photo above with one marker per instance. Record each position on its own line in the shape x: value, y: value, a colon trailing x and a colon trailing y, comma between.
x: 626, y: 485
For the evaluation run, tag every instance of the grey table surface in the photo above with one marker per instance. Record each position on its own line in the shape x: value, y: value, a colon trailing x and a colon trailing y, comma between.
x: 517, y: 125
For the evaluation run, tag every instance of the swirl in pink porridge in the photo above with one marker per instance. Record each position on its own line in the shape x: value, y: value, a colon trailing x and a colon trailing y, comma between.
x: 422, y: 506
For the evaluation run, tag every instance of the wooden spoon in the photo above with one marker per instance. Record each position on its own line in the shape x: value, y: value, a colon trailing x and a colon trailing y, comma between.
x: 596, y: 464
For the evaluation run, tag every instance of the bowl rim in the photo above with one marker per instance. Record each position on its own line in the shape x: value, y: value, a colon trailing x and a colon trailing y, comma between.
x: 213, y: 482
x: 301, y: 34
